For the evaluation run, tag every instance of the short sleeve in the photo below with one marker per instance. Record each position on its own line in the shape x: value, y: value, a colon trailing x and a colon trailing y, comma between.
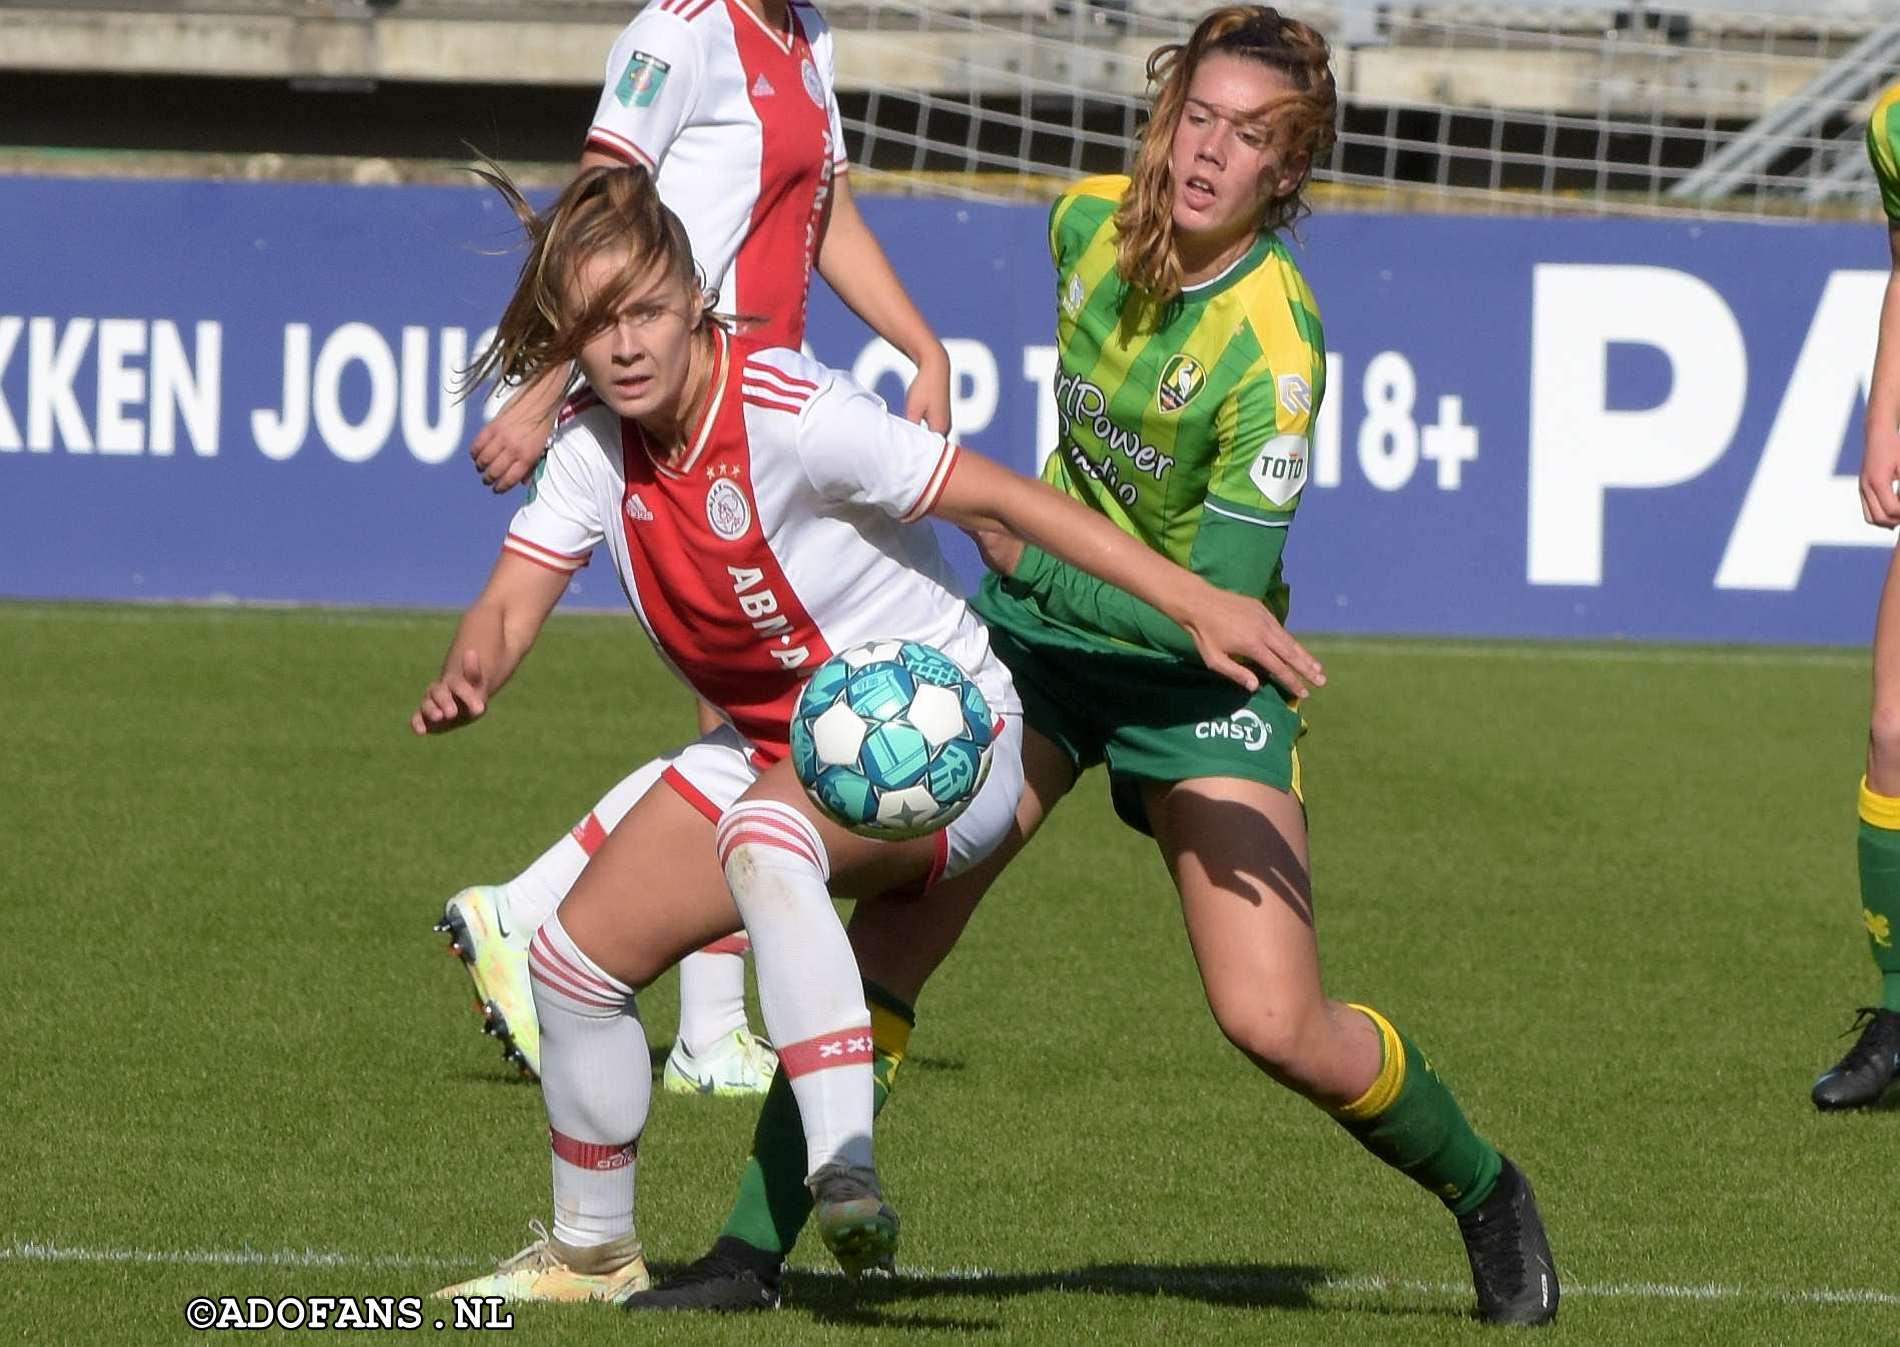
x: 1265, y: 436
x: 560, y: 524
x: 853, y: 449
x: 824, y: 51
x: 654, y: 73
x: 1055, y: 234
x: 840, y: 160
x: 1079, y: 215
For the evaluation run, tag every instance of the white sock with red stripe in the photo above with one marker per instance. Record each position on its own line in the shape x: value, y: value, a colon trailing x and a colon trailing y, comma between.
x: 597, y: 1083
x: 776, y: 866
x: 535, y: 892
x: 712, y: 993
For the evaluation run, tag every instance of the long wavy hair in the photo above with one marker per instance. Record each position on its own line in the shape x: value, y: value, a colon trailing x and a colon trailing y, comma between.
x: 1300, y: 121
x: 603, y: 210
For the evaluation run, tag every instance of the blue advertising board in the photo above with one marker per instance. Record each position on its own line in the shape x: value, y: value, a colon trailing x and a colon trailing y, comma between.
x: 1545, y: 428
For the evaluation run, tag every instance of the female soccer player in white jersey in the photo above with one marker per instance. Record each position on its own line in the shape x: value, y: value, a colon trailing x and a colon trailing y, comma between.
x: 1192, y: 345
x: 762, y: 511
x: 731, y: 104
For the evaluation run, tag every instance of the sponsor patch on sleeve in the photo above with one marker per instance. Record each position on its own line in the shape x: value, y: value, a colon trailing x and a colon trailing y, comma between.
x: 1279, y: 469
x: 642, y: 80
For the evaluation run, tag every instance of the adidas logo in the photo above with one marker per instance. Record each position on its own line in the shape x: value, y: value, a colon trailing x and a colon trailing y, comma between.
x: 762, y: 87
x: 637, y: 510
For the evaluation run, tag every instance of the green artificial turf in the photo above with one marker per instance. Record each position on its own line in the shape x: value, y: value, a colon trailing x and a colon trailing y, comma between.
x: 1609, y: 890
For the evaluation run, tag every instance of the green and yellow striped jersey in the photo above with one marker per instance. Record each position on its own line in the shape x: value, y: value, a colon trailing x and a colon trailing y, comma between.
x: 1883, y: 147
x: 1190, y: 424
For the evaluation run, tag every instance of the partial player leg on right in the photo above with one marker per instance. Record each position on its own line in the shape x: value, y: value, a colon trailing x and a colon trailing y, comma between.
x: 1237, y: 851
x: 1872, y: 1064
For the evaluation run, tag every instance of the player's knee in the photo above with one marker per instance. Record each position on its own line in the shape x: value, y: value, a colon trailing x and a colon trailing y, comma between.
x: 644, y: 969
x: 640, y: 965
x: 635, y: 966
x: 568, y: 980
x: 1275, y: 1036
x: 759, y: 844
x: 1883, y: 740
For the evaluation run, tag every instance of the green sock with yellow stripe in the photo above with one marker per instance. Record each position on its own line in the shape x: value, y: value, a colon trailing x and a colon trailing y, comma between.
x: 1880, y: 886
x: 773, y: 1202
x: 1409, y: 1120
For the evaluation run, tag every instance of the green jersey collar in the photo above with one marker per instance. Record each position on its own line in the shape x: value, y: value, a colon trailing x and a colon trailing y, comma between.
x: 1236, y: 272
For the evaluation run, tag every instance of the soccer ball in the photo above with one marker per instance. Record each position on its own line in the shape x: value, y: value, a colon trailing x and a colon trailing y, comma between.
x: 891, y: 739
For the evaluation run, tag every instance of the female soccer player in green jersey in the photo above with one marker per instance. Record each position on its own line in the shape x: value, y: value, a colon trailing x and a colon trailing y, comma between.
x: 1191, y: 370
x: 1871, y: 1064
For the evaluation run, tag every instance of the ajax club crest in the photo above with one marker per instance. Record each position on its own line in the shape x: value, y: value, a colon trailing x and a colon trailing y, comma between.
x: 1181, y: 382
x: 727, y: 511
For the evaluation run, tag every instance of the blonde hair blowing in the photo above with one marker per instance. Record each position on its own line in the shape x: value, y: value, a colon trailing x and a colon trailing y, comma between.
x: 1301, y: 123
x: 604, y: 210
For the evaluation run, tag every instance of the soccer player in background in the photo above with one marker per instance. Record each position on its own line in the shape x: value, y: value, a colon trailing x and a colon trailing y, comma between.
x: 728, y: 480
x: 1192, y: 366
x: 731, y: 104
x: 1860, y: 1077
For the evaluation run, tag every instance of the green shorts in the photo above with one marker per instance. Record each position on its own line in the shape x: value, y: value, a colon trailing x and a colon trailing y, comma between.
x: 1150, y: 719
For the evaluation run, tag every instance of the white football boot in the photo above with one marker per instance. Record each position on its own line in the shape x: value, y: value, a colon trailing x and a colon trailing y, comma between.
x: 496, y: 956
x: 552, y: 1271
x: 741, y: 1063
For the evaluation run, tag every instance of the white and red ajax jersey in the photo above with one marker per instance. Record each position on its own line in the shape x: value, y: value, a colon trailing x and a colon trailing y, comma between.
x: 740, y: 127
x: 792, y: 527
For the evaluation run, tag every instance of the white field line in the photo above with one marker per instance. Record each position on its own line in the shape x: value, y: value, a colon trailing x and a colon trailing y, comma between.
x: 35, y: 1251
x: 1134, y: 1279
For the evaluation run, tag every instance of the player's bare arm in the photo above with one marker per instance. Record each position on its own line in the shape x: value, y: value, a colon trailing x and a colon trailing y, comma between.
x: 489, y: 644
x: 854, y: 265
x: 1230, y: 630
x: 1880, y: 463
x: 506, y: 449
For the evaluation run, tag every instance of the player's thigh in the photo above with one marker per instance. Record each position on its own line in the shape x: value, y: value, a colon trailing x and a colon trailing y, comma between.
x: 1236, y: 850
x: 901, y: 941
x: 865, y: 867
x: 653, y: 893
x: 1883, y: 749
x: 859, y: 866
x: 1222, y: 764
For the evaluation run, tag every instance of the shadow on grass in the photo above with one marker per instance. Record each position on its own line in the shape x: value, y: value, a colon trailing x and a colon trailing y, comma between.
x: 880, y: 1302
x: 1887, y: 1103
x: 927, y: 1064
x: 500, y: 1074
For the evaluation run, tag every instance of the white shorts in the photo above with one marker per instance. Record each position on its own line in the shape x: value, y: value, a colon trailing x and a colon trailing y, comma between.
x: 712, y: 772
